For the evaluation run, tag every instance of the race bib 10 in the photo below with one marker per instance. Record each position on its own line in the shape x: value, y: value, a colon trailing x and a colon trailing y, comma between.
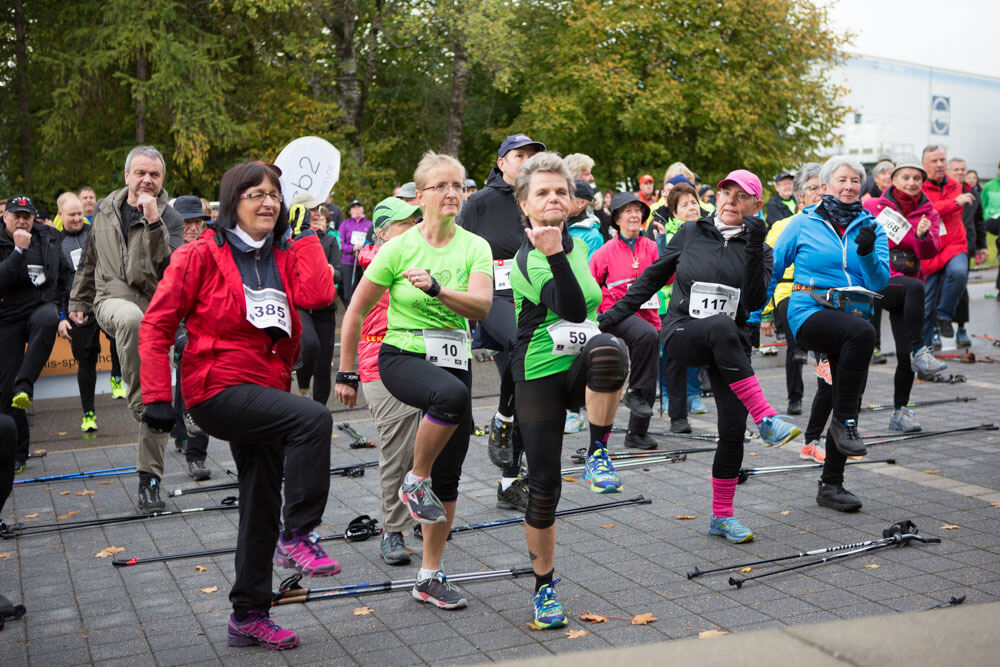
x: 447, y: 348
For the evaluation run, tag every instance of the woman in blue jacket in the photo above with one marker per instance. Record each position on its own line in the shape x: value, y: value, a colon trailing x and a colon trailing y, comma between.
x: 836, y: 244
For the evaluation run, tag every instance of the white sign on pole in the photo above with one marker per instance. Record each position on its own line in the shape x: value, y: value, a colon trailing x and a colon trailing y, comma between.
x: 308, y: 164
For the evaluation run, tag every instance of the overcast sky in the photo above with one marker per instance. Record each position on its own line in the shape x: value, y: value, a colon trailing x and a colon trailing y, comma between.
x: 954, y: 34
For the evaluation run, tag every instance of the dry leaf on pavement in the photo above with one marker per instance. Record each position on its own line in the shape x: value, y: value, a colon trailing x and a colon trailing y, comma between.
x: 363, y: 611
x: 932, y: 472
x: 997, y: 505
x: 872, y: 566
x: 62, y: 432
x: 210, y: 589
x: 569, y: 479
x: 607, y: 525
x: 31, y: 516
x: 593, y: 618
x: 785, y: 512
x: 752, y: 454
x: 200, y: 568
x: 85, y: 492
x: 68, y: 514
x: 684, y: 517
x: 5, y: 555
x: 64, y: 493
x: 105, y: 482
x: 708, y: 634
x: 643, y: 619
x: 109, y: 551
x: 746, y: 569
x: 949, y: 526
x: 575, y: 634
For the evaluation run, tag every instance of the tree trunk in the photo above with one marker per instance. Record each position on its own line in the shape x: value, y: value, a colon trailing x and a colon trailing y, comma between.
x: 456, y: 112
x: 366, y: 81
x: 23, y: 99
x: 347, y: 89
x: 140, y: 107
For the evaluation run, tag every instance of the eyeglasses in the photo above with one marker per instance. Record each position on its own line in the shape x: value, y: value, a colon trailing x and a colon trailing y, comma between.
x: 258, y: 197
x: 444, y: 188
x: 739, y: 196
x: 811, y: 188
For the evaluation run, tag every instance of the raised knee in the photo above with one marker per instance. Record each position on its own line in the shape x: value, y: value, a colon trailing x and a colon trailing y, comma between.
x: 608, y: 363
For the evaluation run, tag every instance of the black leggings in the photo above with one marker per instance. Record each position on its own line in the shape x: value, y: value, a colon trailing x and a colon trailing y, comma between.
x: 196, y: 448
x: 20, y: 366
x: 85, y: 342
x: 8, y: 443
x: 319, y: 327
x: 848, y: 342
x: 541, y: 408
x: 271, y: 433
x: 715, y: 342
x: 445, y: 394
x: 500, y: 329
x: 642, y: 340
x: 904, y: 299
x: 793, y: 368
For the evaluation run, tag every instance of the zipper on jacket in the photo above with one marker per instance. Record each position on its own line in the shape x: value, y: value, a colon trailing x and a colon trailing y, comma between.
x: 256, y: 259
x: 843, y: 250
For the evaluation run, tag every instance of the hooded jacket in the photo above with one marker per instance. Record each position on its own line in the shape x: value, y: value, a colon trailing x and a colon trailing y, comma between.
x: 586, y: 227
x: 616, y: 266
x: 924, y: 248
x: 114, y: 269
x: 18, y: 293
x: 953, y: 238
x: 493, y: 214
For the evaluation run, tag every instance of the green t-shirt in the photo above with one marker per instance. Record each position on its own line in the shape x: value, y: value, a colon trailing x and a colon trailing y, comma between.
x: 534, y: 358
x: 410, y: 309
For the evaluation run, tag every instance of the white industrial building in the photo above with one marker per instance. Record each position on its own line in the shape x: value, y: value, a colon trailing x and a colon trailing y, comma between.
x: 898, y: 108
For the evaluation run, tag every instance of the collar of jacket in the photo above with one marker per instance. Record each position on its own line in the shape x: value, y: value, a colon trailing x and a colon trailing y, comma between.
x: 709, y: 223
x: 810, y: 212
x: 113, y: 203
x: 495, y: 180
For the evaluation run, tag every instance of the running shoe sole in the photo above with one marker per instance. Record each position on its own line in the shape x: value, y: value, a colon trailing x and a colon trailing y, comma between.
x: 425, y: 597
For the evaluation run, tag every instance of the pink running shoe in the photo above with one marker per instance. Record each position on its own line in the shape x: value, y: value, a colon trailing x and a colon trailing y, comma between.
x: 259, y: 630
x: 302, y: 553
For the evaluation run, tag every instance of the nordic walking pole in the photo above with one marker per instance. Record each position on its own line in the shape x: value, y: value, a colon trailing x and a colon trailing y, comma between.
x: 349, y: 470
x: 686, y: 436
x: 17, y: 530
x: 299, y: 595
x: 638, y: 500
x: 903, y: 437
x: 78, y: 475
x: 359, y: 441
x: 877, y: 407
x: 897, y: 540
x: 581, y: 454
x: 631, y: 464
x: 746, y: 473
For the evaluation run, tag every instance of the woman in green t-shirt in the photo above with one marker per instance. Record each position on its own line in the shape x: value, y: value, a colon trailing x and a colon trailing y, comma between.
x: 438, y: 275
x: 560, y: 362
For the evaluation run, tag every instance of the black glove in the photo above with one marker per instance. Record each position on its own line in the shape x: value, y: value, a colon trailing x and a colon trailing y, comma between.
x: 756, y: 229
x: 602, y: 322
x: 159, y: 416
x: 865, y: 240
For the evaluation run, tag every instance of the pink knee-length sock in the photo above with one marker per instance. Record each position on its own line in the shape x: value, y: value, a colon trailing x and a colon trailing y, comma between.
x: 750, y: 394
x: 723, y: 491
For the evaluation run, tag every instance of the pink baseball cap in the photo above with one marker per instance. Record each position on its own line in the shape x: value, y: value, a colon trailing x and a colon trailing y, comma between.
x: 746, y: 180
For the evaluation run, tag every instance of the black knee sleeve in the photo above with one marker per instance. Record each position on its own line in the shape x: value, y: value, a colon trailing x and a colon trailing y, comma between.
x: 447, y: 404
x: 541, y: 512
x: 607, y: 363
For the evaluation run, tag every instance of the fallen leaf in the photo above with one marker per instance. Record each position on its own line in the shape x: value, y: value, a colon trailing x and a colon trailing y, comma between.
x: 363, y: 611
x: 41, y: 451
x: 997, y: 505
x: 64, y: 493
x: 85, y: 492
x: 684, y: 517
x: 334, y: 435
x: 109, y: 551
x: 591, y: 617
x: 752, y: 454
x: 785, y: 512
x: 856, y: 458
x: 607, y: 525
x: 200, y: 568
x: 569, y: 479
x: 873, y: 566
x: 31, y: 516
x: 931, y: 472
x: 949, y: 526
x: 708, y: 634
x: 61, y: 433
x: 576, y: 634
x: 531, y: 626
x: 645, y: 469
x: 5, y: 555
x: 747, y: 569
x: 643, y: 619
x: 68, y: 514
x: 105, y: 482
x: 210, y: 589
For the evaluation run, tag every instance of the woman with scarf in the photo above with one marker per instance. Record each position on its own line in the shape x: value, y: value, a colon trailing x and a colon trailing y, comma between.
x: 836, y: 244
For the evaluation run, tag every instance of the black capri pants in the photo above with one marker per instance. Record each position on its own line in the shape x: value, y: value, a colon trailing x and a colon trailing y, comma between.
x: 445, y: 394
x: 541, y: 408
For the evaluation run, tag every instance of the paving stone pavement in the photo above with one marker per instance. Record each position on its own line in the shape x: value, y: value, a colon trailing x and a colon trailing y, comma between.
x: 616, y: 563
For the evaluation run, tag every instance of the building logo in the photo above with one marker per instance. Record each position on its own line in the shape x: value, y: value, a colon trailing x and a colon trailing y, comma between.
x: 940, y: 114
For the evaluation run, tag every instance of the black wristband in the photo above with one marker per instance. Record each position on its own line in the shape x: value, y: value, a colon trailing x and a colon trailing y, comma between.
x: 434, y: 289
x: 350, y: 378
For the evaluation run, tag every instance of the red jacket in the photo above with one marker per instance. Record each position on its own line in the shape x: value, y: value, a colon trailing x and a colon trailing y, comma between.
x: 615, y: 267
x: 203, y: 286
x: 953, y: 241
x: 925, y: 248
x: 374, y: 327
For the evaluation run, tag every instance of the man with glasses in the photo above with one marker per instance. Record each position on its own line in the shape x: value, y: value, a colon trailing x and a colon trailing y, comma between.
x: 133, y: 234
x: 493, y: 214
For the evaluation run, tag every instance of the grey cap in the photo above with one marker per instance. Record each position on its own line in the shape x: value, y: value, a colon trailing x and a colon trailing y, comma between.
x: 911, y: 162
x: 469, y: 183
x: 408, y: 191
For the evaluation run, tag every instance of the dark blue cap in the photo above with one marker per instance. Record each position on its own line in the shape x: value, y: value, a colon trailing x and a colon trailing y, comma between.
x: 519, y: 141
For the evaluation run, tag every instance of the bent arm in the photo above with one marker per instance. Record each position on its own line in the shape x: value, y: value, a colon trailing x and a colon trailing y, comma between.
x: 562, y: 294
x: 473, y: 304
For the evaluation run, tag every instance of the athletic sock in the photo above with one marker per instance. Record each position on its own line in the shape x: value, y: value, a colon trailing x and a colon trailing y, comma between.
x: 503, y: 417
x: 598, y: 437
x: 505, y: 482
x: 723, y: 491
x: 752, y: 397
x: 424, y: 575
x: 411, y: 478
x: 543, y: 579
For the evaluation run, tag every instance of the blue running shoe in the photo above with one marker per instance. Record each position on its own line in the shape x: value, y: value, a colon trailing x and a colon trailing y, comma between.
x: 730, y: 528
x: 775, y: 431
x: 601, y: 473
x: 574, y: 423
x: 695, y: 406
x: 549, y: 612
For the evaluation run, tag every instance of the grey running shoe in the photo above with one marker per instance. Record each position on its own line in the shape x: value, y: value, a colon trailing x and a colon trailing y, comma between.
x: 198, y: 471
x: 439, y: 592
x: 149, y: 494
x: 393, y: 549
x: 924, y: 361
x: 515, y: 497
x: 424, y: 506
x: 680, y: 426
x: 904, y: 420
x: 636, y: 405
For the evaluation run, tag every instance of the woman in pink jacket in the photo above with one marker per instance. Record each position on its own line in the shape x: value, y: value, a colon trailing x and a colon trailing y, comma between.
x: 912, y: 224
x: 615, y: 266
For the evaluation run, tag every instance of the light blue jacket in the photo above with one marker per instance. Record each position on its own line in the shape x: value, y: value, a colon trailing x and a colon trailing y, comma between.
x: 823, y: 258
x: 587, y: 231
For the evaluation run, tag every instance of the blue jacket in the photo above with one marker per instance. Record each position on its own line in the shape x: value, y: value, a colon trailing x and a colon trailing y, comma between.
x: 823, y: 259
x: 586, y: 228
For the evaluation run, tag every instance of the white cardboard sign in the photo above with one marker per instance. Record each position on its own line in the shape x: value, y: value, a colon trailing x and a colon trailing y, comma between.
x: 308, y: 164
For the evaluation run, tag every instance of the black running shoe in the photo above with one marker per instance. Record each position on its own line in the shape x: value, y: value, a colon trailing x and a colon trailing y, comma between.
x: 499, y: 449
x: 680, y: 426
x: 515, y: 497
x: 844, y: 436
x: 795, y: 407
x: 198, y: 471
x: 945, y: 328
x: 149, y: 494
x: 439, y: 592
x: 835, y: 496
x: 639, y: 441
x: 636, y: 404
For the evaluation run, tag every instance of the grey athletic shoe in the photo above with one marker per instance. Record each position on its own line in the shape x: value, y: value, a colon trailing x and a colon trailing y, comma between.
x: 439, y: 592
x: 903, y: 420
x: 393, y: 549
x: 924, y: 361
x: 423, y: 504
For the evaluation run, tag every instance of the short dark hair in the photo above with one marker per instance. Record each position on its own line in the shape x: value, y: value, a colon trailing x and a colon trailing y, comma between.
x: 675, y: 194
x: 235, y: 182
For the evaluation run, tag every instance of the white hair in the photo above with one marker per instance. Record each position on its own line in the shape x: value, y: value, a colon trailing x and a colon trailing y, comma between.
x: 145, y: 151
x: 837, y: 161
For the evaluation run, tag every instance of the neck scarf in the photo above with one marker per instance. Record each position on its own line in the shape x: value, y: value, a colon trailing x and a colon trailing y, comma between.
x: 727, y: 231
x: 907, y: 203
x: 838, y: 212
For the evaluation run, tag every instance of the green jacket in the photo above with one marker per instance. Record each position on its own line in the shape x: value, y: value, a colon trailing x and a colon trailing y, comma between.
x: 991, y: 198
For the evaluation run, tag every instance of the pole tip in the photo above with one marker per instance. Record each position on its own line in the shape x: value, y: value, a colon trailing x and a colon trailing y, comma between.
x: 733, y: 581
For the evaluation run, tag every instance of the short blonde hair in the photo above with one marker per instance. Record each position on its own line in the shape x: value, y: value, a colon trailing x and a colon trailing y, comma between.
x: 678, y: 168
x: 64, y: 199
x: 577, y: 162
x: 431, y: 161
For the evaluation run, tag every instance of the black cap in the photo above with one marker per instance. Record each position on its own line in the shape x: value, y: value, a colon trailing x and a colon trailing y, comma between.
x: 519, y: 141
x: 584, y: 190
x: 783, y: 175
x: 21, y: 203
x: 622, y: 199
x: 356, y: 202
x: 190, y: 208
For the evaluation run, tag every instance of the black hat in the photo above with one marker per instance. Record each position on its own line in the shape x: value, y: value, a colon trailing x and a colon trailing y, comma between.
x: 519, y: 141
x: 783, y: 175
x: 622, y: 199
x: 21, y: 203
x: 584, y: 190
x: 356, y: 202
x: 190, y: 208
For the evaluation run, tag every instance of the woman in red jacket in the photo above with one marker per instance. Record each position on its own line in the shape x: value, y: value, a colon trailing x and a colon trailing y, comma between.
x: 615, y: 266
x: 911, y: 225
x: 237, y: 289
